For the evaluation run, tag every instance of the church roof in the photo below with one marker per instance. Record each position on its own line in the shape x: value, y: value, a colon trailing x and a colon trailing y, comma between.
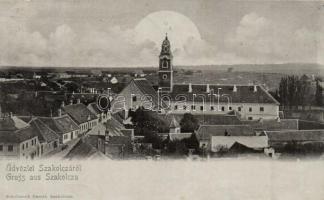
x: 243, y: 93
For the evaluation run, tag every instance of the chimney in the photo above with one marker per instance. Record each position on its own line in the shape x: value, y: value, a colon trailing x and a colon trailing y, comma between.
x: 62, y: 104
x: 255, y: 88
x: 190, y: 88
x: 234, y: 88
x: 10, y: 115
x: 207, y: 88
x: 78, y: 101
x: 59, y: 112
x: 71, y: 101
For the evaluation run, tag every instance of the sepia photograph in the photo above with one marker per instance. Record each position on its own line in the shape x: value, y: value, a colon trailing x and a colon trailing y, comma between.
x: 173, y: 99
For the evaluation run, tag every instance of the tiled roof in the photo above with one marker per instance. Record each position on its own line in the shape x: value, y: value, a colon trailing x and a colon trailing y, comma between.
x: 18, y: 136
x: 216, y: 119
x: 179, y: 136
x: 12, y: 123
x: 79, y: 113
x: 81, y: 150
x: 114, y: 127
x: 45, y: 134
x: 93, y: 107
x: 61, y: 125
x: 251, y: 142
x: 273, y: 125
x: 205, y: 132
x: 244, y: 93
x: 295, y: 135
x: 99, y: 129
x: 146, y: 88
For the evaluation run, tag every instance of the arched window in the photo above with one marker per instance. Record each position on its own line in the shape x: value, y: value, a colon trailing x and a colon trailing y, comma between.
x: 165, y: 64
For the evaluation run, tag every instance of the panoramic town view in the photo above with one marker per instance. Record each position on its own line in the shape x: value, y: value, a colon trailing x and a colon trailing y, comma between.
x: 165, y: 93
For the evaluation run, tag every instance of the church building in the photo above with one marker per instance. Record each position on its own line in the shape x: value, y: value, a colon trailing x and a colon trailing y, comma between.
x: 249, y: 102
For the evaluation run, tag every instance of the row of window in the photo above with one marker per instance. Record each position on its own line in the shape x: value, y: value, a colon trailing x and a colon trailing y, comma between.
x: 9, y: 147
x: 212, y: 108
x: 25, y: 145
x: 88, y: 125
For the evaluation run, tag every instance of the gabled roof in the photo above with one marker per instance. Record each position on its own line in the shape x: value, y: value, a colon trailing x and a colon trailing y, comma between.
x: 179, y: 136
x: 146, y: 88
x: 93, y: 107
x: 18, y: 136
x: 295, y: 135
x: 83, y: 150
x: 114, y: 127
x: 254, y: 142
x: 61, y: 125
x: 45, y: 134
x: 12, y: 123
x: 205, y: 132
x: 79, y: 113
x: 244, y: 93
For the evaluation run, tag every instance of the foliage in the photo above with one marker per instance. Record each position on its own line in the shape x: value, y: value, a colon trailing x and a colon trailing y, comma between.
x: 189, y: 123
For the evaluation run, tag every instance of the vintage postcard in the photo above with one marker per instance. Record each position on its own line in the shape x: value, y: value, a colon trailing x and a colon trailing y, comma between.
x: 172, y: 99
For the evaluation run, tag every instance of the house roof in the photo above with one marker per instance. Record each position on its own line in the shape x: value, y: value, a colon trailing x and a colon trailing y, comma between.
x: 254, y: 142
x: 83, y: 150
x: 206, y: 119
x: 79, y: 113
x: 45, y: 134
x: 295, y: 135
x: 205, y: 132
x: 179, y: 136
x: 99, y: 129
x: 12, y: 123
x: 244, y: 93
x: 18, y: 136
x: 61, y: 125
x: 114, y: 127
x: 93, y: 107
x: 146, y: 88
x: 274, y: 125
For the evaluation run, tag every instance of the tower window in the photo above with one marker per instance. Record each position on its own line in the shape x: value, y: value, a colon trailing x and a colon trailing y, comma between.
x: 239, y: 109
x: 223, y: 108
x: 134, y: 98
x: 175, y: 107
x: 201, y: 108
x: 164, y: 76
x: 261, y: 109
x: 165, y: 64
x: 184, y: 107
x: 211, y: 107
x: 193, y: 107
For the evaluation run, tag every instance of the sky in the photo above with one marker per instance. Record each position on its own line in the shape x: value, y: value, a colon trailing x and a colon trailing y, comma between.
x: 125, y: 33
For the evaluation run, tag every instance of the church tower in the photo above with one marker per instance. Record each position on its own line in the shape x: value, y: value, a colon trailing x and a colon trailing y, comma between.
x: 165, y: 73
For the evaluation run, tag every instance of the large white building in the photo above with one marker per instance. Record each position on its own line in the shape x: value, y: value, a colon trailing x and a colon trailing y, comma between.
x: 249, y: 102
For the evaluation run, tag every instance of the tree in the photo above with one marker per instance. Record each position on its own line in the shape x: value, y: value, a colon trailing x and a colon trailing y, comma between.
x: 189, y: 123
x: 319, y: 94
